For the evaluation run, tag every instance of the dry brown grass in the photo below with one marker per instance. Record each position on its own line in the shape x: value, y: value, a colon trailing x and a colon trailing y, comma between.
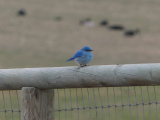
x: 36, y: 40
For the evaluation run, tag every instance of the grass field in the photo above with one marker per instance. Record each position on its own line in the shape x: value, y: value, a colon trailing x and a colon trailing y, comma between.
x: 37, y: 40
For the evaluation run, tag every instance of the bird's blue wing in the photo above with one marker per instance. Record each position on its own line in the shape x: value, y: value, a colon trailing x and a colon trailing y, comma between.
x: 76, y: 55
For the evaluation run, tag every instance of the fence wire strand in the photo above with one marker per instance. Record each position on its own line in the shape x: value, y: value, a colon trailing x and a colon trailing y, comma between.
x: 156, y: 103
x: 111, y: 103
x: 122, y: 103
x: 108, y: 104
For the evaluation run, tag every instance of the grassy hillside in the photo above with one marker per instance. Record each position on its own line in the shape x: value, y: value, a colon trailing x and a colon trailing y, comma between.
x: 38, y: 40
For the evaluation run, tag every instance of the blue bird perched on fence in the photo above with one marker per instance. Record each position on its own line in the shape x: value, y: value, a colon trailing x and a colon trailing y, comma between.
x: 82, y: 56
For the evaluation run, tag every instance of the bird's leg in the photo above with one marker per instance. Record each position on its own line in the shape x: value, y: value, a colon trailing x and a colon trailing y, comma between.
x: 81, y: 66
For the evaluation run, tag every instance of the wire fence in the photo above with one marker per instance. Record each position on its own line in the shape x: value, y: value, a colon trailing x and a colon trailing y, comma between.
x: 10, y: 106
x: 111, y: 103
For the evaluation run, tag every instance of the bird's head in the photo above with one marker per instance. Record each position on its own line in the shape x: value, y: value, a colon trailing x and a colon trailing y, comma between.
x: 87, y: 49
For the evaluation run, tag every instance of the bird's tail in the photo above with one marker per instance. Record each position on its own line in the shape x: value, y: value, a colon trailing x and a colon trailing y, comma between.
x: 70, y: 59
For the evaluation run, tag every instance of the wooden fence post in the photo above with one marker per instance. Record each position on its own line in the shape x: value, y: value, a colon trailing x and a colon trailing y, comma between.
x: 37, y: 104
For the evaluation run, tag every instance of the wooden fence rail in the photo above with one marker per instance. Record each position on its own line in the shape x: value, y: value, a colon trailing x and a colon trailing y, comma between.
x: 89, y: 76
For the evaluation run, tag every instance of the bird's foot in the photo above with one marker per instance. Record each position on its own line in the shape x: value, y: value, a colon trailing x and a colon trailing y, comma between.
x: 82, y: 66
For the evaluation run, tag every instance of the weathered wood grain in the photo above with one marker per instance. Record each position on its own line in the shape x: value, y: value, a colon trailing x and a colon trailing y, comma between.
x: 89, y: 76
x: 37, y: 104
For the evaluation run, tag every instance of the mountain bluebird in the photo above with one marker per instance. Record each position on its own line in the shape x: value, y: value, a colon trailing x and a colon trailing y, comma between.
x: 83, y: 56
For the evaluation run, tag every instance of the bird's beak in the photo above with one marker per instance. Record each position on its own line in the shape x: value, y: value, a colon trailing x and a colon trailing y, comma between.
x: 91, y: 50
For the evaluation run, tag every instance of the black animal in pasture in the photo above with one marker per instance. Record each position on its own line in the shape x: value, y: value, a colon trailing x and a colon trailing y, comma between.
x: 116, y: 27
x: 103, y: 23
x: 58, y: 18
x: 131, y: 33
x: 21, y: 12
